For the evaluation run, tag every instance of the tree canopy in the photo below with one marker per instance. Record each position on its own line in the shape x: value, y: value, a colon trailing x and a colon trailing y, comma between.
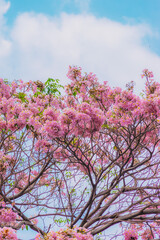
x: 84, y: 161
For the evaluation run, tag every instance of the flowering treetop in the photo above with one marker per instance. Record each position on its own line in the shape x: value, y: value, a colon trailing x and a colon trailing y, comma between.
x: 89, y: 158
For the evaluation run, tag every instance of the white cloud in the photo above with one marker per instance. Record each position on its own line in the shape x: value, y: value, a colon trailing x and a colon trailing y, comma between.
x: 4, y: 6
x: 5, y: 45
x: 44, y: 46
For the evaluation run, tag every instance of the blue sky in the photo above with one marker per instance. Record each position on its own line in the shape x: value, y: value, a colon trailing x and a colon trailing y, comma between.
x: 115, y: 39
x: 118, y: 10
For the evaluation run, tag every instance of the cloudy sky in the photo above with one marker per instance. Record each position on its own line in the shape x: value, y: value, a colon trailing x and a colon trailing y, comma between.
x: 115, y: 39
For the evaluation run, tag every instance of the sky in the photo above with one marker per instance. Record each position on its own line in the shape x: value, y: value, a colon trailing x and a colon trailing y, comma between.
x: 115, y: 39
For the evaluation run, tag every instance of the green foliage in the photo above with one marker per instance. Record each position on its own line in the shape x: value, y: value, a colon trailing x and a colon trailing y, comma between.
x: 52, y: 86
x: 74, y: 94
x: 105, y: 125
x: 22, y: 97
x: 60, y: 220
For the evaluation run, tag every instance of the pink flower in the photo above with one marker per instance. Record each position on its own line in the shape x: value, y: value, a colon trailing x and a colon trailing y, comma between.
x: 7, y: 215
x: 38, y: 237
x: 130, y: 234
x: 67, y: 234
x: 146, y: 235
x: 52, y: 128
x: 50, y: 114
x: 74, y: 72
x: 8, y: 233
x: 2, y: 124
x: 42, y: 144
x: 70, y: 113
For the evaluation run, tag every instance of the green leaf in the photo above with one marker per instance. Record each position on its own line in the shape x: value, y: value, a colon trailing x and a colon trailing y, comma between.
x: 60, y: 220
x: 22, y: 96
x: 52, y: 87
x: 74, y: 94
x: 105, y: 125
x: 37, y: 94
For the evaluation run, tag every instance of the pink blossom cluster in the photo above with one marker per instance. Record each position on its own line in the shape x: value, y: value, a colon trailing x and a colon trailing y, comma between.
x: 143, y: 232
x: 120, y: 105
x: 130, y: 234
x: 83, y: 113
x: 147, y: 235
x: 68, y: 234
x: 7, y: 215
x: 8, y: 233
x: 74, y: 73
x: 22, y: 180
x: 84, y: 119
x: 6, y: 162
x: 79, y: 117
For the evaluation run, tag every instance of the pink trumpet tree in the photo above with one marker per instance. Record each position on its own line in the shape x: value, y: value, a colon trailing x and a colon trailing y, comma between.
x: 89, y: 159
